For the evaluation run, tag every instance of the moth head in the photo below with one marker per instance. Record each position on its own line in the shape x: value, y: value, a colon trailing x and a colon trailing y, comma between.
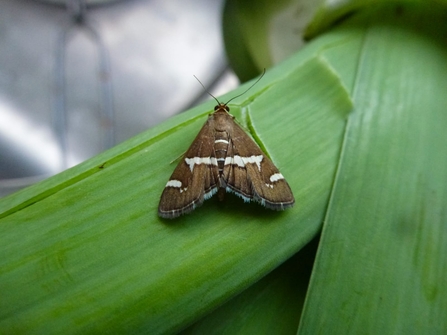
x: 221, y: 106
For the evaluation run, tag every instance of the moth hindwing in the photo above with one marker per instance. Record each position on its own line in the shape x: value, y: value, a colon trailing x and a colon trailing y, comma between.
x: 223, y: 158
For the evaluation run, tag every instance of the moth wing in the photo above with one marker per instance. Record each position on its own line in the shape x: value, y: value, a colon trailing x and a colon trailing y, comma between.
x: 236, y: 177
x: 252, y: 175
x: 194, y: 179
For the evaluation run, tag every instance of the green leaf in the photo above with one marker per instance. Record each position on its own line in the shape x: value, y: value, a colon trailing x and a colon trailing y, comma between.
x: 381, y: 265
x: 271, y: 306
x: 85, y: 251
x: 329, y: 12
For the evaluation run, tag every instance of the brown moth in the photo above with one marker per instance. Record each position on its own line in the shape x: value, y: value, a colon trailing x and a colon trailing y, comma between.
x: 223, y: 158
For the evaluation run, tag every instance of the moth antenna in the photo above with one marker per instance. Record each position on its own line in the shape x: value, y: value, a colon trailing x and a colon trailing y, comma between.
x: 237, y: 96
x: 218, y: 102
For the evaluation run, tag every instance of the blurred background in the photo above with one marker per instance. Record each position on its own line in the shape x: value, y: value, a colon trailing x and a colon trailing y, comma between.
x: 79, y: 76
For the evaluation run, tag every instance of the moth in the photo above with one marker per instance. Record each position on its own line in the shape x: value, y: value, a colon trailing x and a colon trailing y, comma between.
x: 223, y: 158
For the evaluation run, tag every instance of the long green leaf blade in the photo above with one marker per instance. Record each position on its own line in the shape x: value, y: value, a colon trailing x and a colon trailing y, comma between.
x: 381, y: 267
x: 86, y: 252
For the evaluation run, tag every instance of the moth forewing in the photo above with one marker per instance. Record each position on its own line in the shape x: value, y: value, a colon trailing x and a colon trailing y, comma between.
x: 266, y: 184
x: 194, y: 178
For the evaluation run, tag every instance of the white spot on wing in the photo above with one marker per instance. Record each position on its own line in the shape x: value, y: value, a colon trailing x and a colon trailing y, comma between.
x: 177, y: 184
x: 200, y: 160
x: 254, y: 159
x: 275, y: 177
x: 238, y: 161
x: 242, y: 161
x: 174, y: 183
